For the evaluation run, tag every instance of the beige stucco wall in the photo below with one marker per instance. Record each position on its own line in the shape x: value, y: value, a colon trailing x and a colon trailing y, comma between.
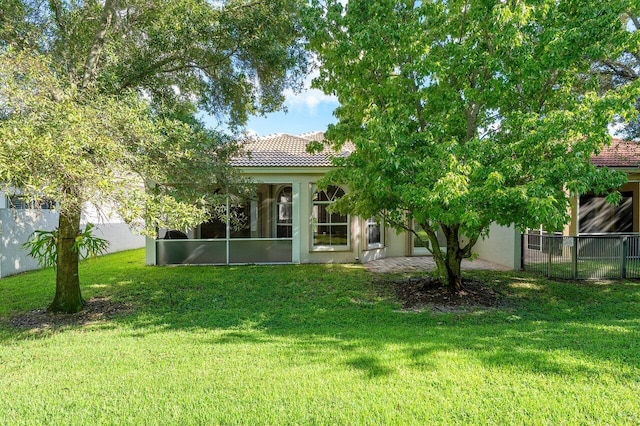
x: 306, y: 178
x: 397, y: 244
x: 502, y: 246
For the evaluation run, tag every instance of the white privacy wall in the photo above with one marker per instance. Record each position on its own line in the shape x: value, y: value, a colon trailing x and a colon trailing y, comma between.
x: 17, y: 225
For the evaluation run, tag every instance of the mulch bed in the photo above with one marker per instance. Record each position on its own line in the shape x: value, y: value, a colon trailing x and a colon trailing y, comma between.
x: 416, y: 294
x: 96, y: 310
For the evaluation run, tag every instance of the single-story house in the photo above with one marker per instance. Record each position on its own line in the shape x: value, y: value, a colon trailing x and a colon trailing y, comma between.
x: 591, y: 214
x: 601, y: 240
x: 288, y: 221
x: 18, y: 220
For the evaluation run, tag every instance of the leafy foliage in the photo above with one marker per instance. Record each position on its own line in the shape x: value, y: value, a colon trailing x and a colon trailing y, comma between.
x: 108, y: 96
x: 42, y: 245
x: 99, y: 100
x: 465, y: 113
x: 622, y: 70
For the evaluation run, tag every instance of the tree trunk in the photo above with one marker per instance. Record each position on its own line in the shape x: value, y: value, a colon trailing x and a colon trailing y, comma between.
x: 438, y: 256
x: 453, y: 269
x: 68, y: 298
x: 448, y: 263
x: 91, y: 64
x: 453, y: 260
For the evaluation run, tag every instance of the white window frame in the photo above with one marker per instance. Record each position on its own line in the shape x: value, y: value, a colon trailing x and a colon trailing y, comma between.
x: 372, y: 221
x: 314, y: 223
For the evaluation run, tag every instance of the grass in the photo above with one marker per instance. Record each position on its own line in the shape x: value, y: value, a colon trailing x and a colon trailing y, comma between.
x: 602, y: 268
x: 318, y: 344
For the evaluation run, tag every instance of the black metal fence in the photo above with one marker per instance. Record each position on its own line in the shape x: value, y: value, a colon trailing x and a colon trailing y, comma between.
x: 593, y: 256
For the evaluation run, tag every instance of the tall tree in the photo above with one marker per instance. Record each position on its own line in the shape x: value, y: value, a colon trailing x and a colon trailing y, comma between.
x: 468, y: 112
x: 622, y: 70
x: 100, y: 97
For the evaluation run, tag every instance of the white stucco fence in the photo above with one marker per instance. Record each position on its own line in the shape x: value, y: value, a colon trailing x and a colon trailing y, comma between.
x: 17, y: 225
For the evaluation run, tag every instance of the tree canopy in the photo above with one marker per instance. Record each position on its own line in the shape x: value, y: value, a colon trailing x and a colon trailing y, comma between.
x: 469, y: 112
x: 622, y: 70
x: 99, y: 103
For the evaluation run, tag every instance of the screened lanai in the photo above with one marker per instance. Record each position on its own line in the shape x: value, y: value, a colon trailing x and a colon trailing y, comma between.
x: 256, y: 231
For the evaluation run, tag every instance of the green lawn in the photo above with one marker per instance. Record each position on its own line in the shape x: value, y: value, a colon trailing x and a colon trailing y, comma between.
x: 318, y: 345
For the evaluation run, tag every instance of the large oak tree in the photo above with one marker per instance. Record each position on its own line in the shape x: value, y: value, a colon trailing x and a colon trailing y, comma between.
x: 99, y: 103
x: 469, y: 112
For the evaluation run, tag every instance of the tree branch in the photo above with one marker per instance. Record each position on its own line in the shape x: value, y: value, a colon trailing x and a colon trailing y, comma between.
x: 472, y: 112
x: 91, y: 64
x: 466, y: 250
x: 419, y: 107
x: 551, y: 81
x: 621, y: 70
x: 158, y: 67
x: 56, y: 7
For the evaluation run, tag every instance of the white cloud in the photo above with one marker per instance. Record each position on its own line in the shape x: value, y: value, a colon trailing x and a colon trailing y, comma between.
x: 308, y: 99
x: 250, y: 133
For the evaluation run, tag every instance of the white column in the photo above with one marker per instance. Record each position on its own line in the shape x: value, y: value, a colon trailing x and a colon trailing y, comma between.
x: 297, y: 235
x: 150, y: 250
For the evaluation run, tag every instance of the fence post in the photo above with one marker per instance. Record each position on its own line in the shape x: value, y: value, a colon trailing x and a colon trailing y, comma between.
x: 574, y: 258
x: 549, y: 250
x: 523, y: 240
x: 625, y: 251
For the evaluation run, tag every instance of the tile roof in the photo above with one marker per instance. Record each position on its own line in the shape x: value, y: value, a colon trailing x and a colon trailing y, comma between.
x: 284, y: 150
x: 619, y: 154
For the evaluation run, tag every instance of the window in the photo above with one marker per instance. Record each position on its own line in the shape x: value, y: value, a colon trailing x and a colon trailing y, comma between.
x: 284, y: 213
x: 17, y: 202
x: 375, y: 238
x: 329, y: 228
x: 597, y: 216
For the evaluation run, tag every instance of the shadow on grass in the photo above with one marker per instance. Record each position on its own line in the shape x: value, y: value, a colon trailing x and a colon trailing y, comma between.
x: 314, y: 307
x: 370, y: 365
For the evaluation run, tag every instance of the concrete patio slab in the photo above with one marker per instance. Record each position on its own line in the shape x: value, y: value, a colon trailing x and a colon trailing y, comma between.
x: 424, y: 263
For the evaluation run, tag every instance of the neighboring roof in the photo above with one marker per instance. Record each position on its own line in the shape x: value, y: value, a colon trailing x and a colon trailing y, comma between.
x: 284, y: 150
x: 619, y: 154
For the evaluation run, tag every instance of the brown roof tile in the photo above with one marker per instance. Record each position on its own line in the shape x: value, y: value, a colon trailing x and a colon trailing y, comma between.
x: 619, y: 154
x: 284, y: 150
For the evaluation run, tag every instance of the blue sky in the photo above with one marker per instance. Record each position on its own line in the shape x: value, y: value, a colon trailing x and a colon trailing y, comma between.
x: 303, y: 115
x: 307, y: 111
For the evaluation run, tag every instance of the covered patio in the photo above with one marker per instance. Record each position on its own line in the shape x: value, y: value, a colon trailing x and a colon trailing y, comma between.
x: 257, y: 231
